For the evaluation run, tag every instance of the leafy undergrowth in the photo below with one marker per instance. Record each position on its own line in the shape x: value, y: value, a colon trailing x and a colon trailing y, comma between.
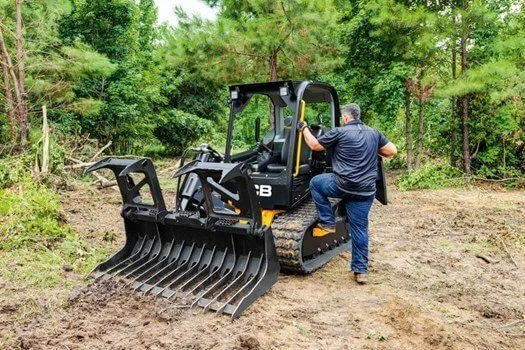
x: 41, y: 256
x: 432, y: 175
x: 36, y: 242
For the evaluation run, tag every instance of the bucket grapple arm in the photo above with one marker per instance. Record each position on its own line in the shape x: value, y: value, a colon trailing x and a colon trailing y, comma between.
x: 222, y: 260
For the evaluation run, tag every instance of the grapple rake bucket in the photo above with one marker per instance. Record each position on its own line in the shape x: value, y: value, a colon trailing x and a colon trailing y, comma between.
x: 215, y: 254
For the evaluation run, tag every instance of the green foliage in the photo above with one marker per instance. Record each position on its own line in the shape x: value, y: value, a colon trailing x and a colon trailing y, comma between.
x: 116, y: 101
x: 110, y: 27
x: 30, y: 215
x: 431, y: 175
x: 34, y: 233
x: 177, y: 130
x: 104, y: 69
x: 12, y: 170
x: 249, y: 35
x: 35, y: 238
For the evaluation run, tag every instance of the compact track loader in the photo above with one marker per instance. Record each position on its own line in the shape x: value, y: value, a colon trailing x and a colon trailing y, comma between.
x: 239, y: 217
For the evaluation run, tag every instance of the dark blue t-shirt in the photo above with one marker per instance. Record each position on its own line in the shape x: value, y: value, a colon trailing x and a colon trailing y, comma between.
x: 354, y: 156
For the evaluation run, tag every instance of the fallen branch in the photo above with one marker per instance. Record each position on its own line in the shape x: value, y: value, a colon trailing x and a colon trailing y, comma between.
x: 99, y: 177
x: 100, y: 151
x: 79, y: 165
x: 107, y: 184
x: 484, y: 258
x: 499, y: 180
x: 75, y: 160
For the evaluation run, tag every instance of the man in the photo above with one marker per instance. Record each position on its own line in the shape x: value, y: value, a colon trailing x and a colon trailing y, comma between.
x: 354, y: 149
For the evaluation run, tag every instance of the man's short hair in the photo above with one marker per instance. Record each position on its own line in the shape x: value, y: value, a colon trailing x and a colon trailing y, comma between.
x: 352, y: 109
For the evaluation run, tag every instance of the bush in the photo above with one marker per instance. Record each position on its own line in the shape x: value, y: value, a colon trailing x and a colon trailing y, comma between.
x: 177, y: 130
x: 30, y: 214
x: 14, y: 169
x: 34, y: 234
x: 431, y: 175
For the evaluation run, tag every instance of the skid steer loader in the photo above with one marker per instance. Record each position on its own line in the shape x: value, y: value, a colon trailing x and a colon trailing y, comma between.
x: 239, y: 217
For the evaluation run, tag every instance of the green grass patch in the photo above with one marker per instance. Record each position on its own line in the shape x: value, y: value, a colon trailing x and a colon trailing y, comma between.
x: 36, y: 241
x: 30, y: 215
x: 444, y: 244
x: 41, y: 267
x: 478, y: 247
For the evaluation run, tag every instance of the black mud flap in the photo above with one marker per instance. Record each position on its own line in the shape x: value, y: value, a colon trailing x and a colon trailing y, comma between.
x: 381, y: 194
x: 213, y: 257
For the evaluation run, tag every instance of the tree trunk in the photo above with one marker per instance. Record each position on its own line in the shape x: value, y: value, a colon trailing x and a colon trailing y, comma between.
x: 466, y: 142
x: 9, y: 100
x: 421, y: 102
x: 272, y: 62
x: 8, y: 64
x: 453, y: 102
x: 464, y: 99
x: 504, y: 158
x: 20, y: 57
x: 408, y: 128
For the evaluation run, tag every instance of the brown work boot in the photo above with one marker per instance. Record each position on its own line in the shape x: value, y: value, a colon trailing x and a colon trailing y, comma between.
x: 360, y: 278
x: 321, y: 230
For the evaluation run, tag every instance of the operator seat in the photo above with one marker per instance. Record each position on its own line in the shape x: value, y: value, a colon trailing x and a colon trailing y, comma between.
x: 306, y: 152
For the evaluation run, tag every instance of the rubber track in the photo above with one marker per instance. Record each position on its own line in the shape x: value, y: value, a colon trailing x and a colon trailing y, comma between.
x: 288, y: 230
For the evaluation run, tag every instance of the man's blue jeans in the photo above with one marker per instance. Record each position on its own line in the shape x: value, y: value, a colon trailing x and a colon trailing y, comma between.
x: 357, y: 210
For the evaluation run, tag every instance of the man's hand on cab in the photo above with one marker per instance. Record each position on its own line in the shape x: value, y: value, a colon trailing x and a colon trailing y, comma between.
x: 301, y: 125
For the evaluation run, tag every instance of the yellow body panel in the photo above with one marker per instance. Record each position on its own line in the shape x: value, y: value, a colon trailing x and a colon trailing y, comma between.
x: 269, y: 215
x: 319, y: 232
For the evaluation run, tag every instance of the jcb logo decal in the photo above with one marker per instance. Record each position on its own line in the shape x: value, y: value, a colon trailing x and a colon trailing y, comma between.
x: 263, y: 190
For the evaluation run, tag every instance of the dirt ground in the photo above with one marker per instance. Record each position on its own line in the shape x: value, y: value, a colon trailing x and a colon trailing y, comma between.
x: 447, y: 272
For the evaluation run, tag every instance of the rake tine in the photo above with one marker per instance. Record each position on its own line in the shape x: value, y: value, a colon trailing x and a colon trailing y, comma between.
x: 161, y: 271
x: 205, y: 268
x: 216, y: 285
x: 137, y: 253
x: 149, y: 259
x: 214, y: 271
x: 252, y: 278
x: 175, y: 272
x: 240, y: 274
x: 192, y: 267
x: 160, y: 261
x: 139, y: 261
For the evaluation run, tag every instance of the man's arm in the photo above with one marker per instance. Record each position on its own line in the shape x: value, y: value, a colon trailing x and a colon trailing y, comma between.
x: 311, y: 141
x: 388, y: 151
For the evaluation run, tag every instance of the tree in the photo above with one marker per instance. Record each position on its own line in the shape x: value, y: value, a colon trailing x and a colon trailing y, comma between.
x: 423, y: 91
x: 488, y: 72
x: 17, y: 74
x: 250, y: 41
x: 393, y: 43
x: 261, y: 40
x: 123, y: 31
x: 111, y: 27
